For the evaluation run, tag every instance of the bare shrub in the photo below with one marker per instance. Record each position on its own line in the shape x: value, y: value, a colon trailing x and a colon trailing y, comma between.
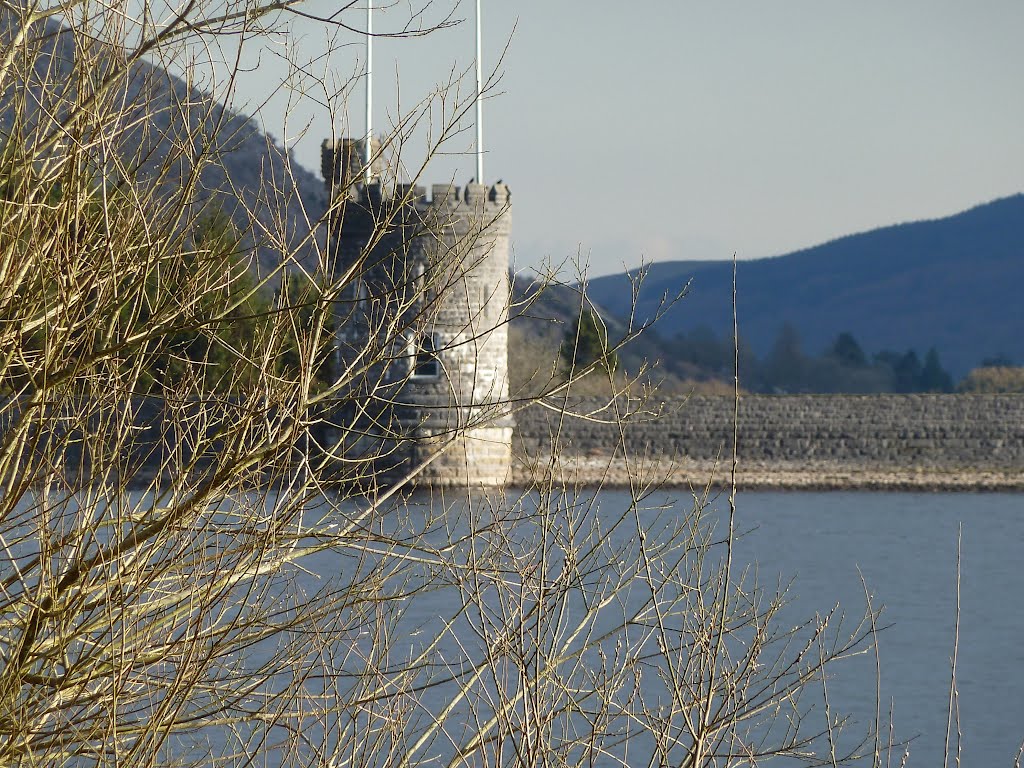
x: 186, y: 576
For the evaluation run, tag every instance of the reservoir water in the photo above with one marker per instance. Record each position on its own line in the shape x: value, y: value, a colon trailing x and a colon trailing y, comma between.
x: 831, y: 547
x: 560, y: 593
x: 905, y: 547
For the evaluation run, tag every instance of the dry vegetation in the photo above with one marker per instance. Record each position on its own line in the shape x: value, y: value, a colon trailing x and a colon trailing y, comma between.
x: 542, y: 321
x: 185, y: 577
x: 994, y: 380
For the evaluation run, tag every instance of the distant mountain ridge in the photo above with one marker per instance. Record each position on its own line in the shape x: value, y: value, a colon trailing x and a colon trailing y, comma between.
x: 953, y: 283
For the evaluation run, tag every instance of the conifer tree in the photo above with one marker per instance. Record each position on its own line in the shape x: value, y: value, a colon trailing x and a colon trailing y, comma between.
x: 934, y: 378
x: 586, y: 344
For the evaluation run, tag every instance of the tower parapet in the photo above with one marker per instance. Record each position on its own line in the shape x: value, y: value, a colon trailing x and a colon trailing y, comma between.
x: 343, y: 162
x: 427, y: 294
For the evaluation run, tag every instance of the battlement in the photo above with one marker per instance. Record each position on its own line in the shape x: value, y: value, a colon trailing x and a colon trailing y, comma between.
x: 471, y: 199
x: 442, y: 197
x: 343, y: 168
x: 343, y: 162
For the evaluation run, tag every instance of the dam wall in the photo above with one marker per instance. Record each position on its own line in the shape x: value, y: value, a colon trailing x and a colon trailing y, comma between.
x: 784, y: 441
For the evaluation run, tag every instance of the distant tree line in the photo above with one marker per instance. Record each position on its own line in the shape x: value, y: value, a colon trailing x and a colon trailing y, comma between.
x: 702, y: 358
x: 843, y: 367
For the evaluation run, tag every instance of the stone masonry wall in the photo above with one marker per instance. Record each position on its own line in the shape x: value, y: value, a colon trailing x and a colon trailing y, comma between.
x: 799, y: 440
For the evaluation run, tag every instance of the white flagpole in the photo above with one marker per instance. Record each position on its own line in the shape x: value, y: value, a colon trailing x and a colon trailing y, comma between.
x: 368, y: 140
x: 479, y: 104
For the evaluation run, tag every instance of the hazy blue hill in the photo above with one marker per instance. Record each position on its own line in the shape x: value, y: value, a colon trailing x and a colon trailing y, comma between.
x: 952, y: 283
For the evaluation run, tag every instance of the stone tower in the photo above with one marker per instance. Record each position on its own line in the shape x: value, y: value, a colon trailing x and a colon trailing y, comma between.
x: 427, y: 292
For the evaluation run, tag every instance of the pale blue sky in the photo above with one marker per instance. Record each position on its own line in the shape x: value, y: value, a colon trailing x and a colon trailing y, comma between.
x: 680, y: 130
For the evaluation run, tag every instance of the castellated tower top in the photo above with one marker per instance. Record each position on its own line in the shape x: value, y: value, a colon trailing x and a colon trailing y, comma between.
x: 342, y: 161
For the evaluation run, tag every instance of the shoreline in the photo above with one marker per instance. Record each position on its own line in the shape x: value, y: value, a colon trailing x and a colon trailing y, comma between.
x: 613, y: 472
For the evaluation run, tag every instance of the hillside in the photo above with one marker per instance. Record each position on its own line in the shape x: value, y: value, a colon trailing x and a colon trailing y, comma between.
x: 952, y: 283
x: 162, y: 129
x: 256, y: 181
x: 542, y: 317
